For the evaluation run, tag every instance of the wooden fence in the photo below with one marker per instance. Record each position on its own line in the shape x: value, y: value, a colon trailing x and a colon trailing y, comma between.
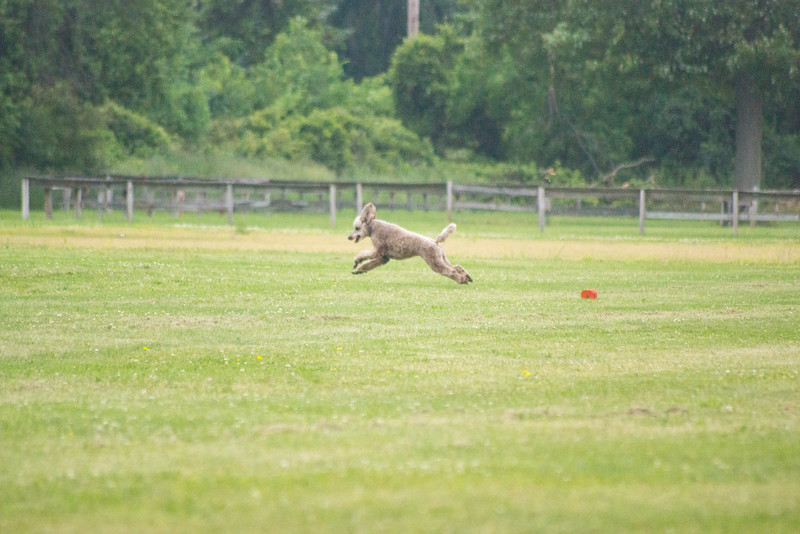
x: 181, y: 195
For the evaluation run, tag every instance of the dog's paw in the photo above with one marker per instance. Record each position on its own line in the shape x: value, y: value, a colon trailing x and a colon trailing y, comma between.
x: 359, y: 272
x: 464, y: 277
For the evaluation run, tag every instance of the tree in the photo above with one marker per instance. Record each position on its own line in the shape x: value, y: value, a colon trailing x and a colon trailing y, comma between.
x: 243, y: 29
x: 419, y: 77
x: 534, y: 79
x: 590, y: 74
x: 741, y: 50
x: 299, y: 72
x: 375, y: 29
x: 83, y: 53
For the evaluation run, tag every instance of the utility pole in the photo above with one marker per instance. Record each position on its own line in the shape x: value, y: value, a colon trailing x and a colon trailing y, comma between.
x: 413, y: 18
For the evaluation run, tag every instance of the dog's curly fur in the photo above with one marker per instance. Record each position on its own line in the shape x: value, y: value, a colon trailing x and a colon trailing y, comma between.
x: 391, y: 242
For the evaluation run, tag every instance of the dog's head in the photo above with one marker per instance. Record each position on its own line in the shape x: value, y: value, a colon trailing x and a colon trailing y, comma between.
x: 361, y: 227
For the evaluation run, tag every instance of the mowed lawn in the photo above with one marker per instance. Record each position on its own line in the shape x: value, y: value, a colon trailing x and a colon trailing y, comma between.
x: 180, y: 375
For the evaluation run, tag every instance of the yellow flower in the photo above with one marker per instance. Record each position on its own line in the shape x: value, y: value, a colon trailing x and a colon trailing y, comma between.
x: 145, y: 348
x: 258, y: 357
x: 526, y: 373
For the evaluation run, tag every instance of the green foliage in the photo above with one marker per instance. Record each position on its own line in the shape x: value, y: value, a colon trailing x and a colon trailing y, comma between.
x: 85, y: 53
x: 782, y: 161
x: 390, y: 145
x: 480, y: 94
x: 690, y: 136
x: 324, y: 136
x: 244, y: 29
x: 584, y: 81
x: 335, y: 138
x: 186, y: 112
x: 228, y: 90
x: 220, y: 162
x: 308, y: 110
x: 374, y: 30
x: 58, y: 131
x: 299, y: 74
x: 585, y: 85
x: 9, y: 123
x: 371, y: 96
x: 419, y: 77
x: 138, y: 135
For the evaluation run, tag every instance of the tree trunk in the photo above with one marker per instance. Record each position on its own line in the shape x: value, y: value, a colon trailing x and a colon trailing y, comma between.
x: 747, y: 163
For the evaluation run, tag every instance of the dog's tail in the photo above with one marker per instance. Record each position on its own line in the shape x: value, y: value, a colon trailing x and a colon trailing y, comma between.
x: 447, y: 232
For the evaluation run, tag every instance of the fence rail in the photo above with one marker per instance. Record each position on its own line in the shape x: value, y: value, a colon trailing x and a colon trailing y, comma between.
x: 180, y: 195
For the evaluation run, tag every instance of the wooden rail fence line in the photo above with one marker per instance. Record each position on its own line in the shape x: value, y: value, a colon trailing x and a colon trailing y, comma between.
x: 181, y: 195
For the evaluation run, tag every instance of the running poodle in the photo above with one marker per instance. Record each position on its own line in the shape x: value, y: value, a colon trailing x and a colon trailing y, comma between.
x: 392, y: 242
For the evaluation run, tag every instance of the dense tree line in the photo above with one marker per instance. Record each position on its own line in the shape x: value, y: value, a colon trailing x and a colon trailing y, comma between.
x: 675, y: 92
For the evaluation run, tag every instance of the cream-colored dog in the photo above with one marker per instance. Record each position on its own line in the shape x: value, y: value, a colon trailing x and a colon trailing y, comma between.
x: 391, y: 242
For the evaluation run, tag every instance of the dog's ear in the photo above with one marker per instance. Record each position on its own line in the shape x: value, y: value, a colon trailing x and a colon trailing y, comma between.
x: 368, y: 213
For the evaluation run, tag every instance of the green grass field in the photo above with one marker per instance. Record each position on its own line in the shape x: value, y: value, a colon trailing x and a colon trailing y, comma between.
x: 180, y: 375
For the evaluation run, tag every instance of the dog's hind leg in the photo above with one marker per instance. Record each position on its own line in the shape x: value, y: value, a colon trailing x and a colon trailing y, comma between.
x: 463, y: 275
x: 438, y: 262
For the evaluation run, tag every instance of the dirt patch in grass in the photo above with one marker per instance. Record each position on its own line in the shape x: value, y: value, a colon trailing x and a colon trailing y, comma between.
x: 311, y: 241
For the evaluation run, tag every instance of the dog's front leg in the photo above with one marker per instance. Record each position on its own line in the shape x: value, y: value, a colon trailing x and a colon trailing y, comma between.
x: 365, y: 255
x: 371, y: 264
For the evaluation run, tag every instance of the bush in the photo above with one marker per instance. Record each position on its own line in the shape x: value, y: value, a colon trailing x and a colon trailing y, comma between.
x: 326, y: 135
x: 136, y: 134
x: 335, y: 138
x: 227, y: 89
x: 781, y: 161
x: 58, y: 132
x: 395, y: 145
x: 188, y: 113
x: 419, y: 80
x: 299, y: 74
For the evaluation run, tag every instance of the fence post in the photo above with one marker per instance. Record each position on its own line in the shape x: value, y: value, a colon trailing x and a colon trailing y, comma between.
x: 175, y: 196
x: 26, y: 198
x: 67, y: 198
x: 540, y: 206
x: 735, y: 212
x: 149, y: 199
x: 129, y: 200
x: 752, y: 212
x: 359, y: 198
x: 642, y: 211
x: 78, y: 201
x: 229, y: 202
x: 109, y: 190
x: 332, y: 194
x: 449, y: 200
x: 48, y: 202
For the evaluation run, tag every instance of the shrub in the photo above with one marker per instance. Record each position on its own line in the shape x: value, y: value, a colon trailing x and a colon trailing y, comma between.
x: 188, y: 114
x: 333, y: 137
x: 59, y: 132
x: 137, y: 135
x: 227, y: 89
x: 418, y: 78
